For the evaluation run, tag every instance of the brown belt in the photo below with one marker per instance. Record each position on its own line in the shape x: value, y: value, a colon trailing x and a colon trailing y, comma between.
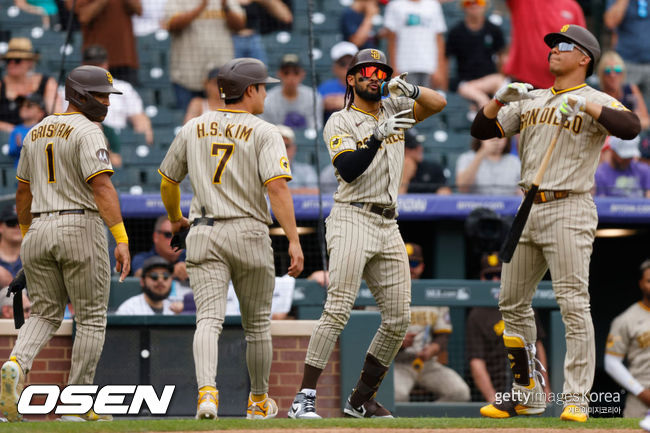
x: 386, y: 212
x: 548, y: 195
x: 61, y: 212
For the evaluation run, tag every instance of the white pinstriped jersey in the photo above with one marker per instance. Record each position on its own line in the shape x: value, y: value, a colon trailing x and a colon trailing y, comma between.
x: 59, y: 156
x: 576, y: 154
x: 229, y: 155
x: 347, y: 130
x: 629, y: 337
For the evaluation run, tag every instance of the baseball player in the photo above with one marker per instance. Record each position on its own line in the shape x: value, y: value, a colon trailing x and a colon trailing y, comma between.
x: 629, y: 338
x: 232, y: 158
x: 561, y: 226
x: 63, y: 199
x: 366, y: 144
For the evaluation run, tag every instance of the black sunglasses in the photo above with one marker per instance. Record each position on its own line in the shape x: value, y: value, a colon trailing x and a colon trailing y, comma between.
x: 11, y: 223
x: 168, y: 235
x: 156, y: 276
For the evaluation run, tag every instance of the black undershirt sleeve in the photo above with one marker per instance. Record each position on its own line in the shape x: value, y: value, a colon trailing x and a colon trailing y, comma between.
x: 484, y: 128
x: 622, y: 124
x: 351, y: 165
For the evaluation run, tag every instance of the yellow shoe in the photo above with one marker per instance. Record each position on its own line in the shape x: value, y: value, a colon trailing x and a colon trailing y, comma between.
x: 508, y: 409
x: 264, y: 409
x: 11, y: 386
x: 88, y: 416
x: 207, y: 405
x: 574, y: 413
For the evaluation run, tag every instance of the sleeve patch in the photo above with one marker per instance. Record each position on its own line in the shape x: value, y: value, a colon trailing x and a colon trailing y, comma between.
x: 102, y: 155
x: 335, y: 142
x: 618, y: 106
x: 284, y: 164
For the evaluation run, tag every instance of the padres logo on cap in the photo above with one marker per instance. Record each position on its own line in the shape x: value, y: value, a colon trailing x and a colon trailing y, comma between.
x: 109, y: 77
x: 565, y: 28
x: 375, y: 54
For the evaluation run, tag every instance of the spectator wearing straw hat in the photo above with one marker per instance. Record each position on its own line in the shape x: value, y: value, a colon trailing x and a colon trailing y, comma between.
x: 21, y: 80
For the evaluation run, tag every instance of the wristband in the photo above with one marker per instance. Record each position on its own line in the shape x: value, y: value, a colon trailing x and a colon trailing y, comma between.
x: 499, y: 103
x: 23, y: 229
x: 119, y: 233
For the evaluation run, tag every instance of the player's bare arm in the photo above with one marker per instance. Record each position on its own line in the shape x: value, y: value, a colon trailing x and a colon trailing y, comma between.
x: 23, y: 206
x: 108, y: 205
x: 282, y: 205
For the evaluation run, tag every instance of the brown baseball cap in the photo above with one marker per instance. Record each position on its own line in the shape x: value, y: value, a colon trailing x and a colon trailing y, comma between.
x: 579, y: 35
x: 237, y: 74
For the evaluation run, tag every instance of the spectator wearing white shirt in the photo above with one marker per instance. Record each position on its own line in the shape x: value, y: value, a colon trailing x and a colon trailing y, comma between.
x: 156, y: 282
x: 416, y: 43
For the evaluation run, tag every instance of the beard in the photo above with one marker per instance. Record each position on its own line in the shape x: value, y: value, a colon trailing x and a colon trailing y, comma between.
x: 155, y: 296
x: 368, y: 95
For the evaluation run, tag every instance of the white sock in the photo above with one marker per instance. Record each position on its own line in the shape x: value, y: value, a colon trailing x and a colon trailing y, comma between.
x: 309, y: 392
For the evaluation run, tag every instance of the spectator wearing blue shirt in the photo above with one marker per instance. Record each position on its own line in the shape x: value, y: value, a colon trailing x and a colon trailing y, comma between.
x: 162, y: 237
x: 630, y: 21
x: 333, y: 91
x: 357, y: 25
x: 10, y: 240
x: 31, y: 111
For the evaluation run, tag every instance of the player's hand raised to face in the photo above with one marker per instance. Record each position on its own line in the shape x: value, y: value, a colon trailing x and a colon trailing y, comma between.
x: 297, y: 259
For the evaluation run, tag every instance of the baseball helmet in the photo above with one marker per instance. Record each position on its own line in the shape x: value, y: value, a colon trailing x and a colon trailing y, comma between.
x: 236, y: 75
x: 369, y: 57
x: 82, y: 82
x: 580, y: 36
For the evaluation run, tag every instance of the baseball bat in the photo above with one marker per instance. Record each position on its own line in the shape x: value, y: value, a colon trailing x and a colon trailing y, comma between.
x: 518, y: 224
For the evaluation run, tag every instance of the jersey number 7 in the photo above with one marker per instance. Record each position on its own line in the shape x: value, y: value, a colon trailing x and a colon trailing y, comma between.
x: 223, y: 151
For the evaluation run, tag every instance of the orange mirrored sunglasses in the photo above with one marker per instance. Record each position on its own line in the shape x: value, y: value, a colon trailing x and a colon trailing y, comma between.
x: 366, y: 72
x: 467, y: 3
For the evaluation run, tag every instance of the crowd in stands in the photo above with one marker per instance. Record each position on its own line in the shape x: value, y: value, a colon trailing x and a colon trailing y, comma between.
x: 461, y: 47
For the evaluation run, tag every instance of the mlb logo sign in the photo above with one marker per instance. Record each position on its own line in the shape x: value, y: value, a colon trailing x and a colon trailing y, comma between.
x: 107, y: 400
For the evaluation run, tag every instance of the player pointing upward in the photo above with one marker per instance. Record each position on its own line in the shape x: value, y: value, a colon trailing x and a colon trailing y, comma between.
x: 366, y: 144
x: 233, y: 158
x: 562, y: 223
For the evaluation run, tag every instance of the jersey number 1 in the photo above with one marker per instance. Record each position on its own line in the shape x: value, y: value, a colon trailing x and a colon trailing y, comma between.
x: 49, y: 153
x: 223, y: 151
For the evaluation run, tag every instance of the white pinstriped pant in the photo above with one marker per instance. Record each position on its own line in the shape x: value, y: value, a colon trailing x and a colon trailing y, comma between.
x: 363, y: 245
x: 240, y: 250
x: 66, y: 256
x: 558, y: 236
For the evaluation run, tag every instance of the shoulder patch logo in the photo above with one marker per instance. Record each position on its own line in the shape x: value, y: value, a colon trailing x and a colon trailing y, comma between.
x: 335, y: 142
x: 102, y: 155
x: 284, y: 164
x: 565, y: 28
x: 618, y: 106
